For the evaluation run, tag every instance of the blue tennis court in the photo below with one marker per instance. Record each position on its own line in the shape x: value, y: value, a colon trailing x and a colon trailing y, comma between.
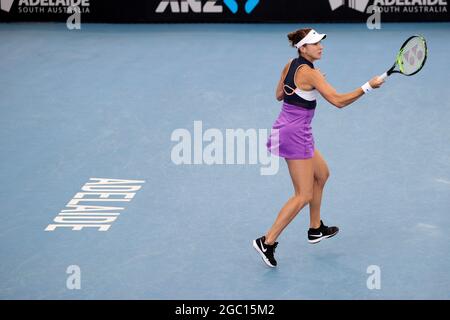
x: 109, y: 102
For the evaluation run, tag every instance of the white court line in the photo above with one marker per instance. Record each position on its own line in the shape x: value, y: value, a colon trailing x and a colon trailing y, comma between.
x: 442, y: 180
x: 426, y: 226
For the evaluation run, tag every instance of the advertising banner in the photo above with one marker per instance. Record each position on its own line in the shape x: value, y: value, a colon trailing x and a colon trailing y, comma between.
x: 166, y: 11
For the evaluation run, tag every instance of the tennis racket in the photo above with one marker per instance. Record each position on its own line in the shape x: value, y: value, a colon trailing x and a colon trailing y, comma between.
x: 411, y: 57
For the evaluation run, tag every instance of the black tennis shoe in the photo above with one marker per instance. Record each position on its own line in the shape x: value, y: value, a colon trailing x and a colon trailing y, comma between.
x: 323, y: 232
x: 266, y: 251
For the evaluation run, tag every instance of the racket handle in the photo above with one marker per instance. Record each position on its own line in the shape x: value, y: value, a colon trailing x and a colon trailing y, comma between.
x: 383, y: 76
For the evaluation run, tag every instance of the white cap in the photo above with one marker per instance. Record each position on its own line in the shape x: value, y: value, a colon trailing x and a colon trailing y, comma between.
x: 311, y: 37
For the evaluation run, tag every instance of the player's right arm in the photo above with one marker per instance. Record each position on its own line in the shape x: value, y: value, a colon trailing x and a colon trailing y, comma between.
x: 339, y: 100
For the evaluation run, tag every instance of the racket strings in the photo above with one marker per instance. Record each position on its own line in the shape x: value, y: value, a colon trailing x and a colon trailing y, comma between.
x: 412, y: 56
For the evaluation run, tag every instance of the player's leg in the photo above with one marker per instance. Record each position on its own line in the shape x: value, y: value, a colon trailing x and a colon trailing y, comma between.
x: 302, y: 175
x: 321, y: 174
x: 317, y: 230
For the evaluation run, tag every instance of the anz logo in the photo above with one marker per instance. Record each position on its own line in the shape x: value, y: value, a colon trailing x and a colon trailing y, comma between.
x: 210, y: 6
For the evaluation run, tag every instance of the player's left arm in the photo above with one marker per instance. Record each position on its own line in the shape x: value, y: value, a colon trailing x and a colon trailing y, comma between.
x: 280, y: 91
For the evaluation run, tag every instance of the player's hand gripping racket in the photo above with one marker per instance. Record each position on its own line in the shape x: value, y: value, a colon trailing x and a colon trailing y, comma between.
x: 411, y: 57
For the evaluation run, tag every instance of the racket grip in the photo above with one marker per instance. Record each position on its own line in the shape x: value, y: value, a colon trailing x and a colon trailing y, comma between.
x: 383, y: 76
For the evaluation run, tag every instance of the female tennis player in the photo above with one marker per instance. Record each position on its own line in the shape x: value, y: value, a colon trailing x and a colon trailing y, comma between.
x: 293, y: 140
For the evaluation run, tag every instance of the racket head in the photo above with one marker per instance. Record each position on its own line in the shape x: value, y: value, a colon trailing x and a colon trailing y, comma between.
x: 412, y: 56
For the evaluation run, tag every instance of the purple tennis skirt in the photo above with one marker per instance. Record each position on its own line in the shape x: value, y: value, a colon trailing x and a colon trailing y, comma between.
x: 291, y: 135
